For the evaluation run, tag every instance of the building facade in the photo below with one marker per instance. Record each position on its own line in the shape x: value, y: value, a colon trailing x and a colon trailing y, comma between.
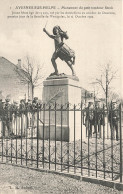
x: 11, y: 85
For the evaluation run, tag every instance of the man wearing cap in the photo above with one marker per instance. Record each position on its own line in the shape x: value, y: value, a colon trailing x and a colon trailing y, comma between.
x: 89, y: 120
x: 14, y: 109
x: 34, y: 115
x: 98, y: 118
x: 3, y: 117
x: 1, y: 113
x: 22, y: 105
x: 113, y: 119
x: 1, y: 107
x: 34, y: 103
x: 29, y: 109
x: 8, y: 115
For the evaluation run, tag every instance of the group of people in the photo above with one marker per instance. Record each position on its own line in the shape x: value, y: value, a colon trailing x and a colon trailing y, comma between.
x: 96, y: 117
x: 7, y: 106
x: 8, y: 110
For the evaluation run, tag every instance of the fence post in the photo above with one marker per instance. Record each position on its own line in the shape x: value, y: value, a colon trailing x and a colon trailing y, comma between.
x: 26, y: 134
x: 2, y: 135
x: 88, y: 127
x: 121, y: 159
x: 61, y: 109
x: 112, y: 137
x: 81, y: 139
x: 55, y: 135
x: 21, y: 137
x: 37, y: 134
x: 49, y: 133
x: 43, y: 131
x: 104, y: 166
x: 16, y: 136
x: 74, y: 138
x: 95, y: 126
x: 68, y: 136
x: 11, y: 131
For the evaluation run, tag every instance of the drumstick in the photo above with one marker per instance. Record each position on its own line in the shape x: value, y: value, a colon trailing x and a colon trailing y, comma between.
x: 46, y: 24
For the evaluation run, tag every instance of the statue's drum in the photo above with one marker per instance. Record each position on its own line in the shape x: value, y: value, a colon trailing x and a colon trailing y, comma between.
x: 65, y: 53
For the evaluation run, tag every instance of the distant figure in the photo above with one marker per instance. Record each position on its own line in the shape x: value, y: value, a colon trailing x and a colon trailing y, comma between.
x: 61, y: 49
x: 113, y: 119
x: 8, y: 116
x: 98, y: 118
x: 89, y: 119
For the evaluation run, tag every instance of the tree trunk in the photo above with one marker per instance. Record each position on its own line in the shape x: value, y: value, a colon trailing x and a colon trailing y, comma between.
x: 32, y: 92
x: 106, y: 88
x: 106, y: 96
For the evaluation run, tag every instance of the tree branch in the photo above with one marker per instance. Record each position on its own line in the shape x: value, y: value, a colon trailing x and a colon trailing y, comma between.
x: 101, y: 84
x: 30, y: 73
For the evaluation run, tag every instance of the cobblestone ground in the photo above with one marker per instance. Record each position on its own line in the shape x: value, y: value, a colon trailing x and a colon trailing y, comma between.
x: 19, y: 180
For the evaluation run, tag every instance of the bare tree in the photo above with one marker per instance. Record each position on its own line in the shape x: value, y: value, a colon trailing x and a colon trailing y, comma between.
x: 114, y: 96
x: 105, y: 79
x: 31, y: 73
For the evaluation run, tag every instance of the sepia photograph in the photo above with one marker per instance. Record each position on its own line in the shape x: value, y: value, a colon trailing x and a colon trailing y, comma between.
x: 61, y: 97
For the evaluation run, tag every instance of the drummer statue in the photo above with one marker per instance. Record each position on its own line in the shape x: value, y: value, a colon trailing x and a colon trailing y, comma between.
x: 61, y: 49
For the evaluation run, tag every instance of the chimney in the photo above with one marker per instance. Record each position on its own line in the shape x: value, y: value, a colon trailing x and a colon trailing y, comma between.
x: 19, y: 63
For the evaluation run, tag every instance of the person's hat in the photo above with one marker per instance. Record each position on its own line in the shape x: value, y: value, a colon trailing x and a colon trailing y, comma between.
x: 7, y: 100
x: 97, y: 101
x: 35, y: 98
x: 15, y: 102
x: 29, y: 100
x: 3, y: 100
x: 114, y: 102
x: 90, y: 102
x: 22, y: 100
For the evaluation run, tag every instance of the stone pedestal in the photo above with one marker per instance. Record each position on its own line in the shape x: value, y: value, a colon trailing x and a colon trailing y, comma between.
x: 62, y: 90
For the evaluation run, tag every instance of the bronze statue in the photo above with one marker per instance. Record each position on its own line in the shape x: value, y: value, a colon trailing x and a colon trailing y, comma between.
x: 61, y: 49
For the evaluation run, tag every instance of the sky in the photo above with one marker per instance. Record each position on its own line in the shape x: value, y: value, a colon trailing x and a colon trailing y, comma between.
x: 96, y: 41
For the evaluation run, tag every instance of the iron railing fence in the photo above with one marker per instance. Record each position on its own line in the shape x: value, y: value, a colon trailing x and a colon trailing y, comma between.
x: 72, y: 139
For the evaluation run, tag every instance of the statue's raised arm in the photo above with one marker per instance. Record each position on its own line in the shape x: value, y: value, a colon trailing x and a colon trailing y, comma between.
x: 51, y: 36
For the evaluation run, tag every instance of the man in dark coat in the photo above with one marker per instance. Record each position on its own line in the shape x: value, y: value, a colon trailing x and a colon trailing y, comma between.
x: 8, y: 116
x: 98, y: 118
x: 113, y: 119
x: 89, y: 120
